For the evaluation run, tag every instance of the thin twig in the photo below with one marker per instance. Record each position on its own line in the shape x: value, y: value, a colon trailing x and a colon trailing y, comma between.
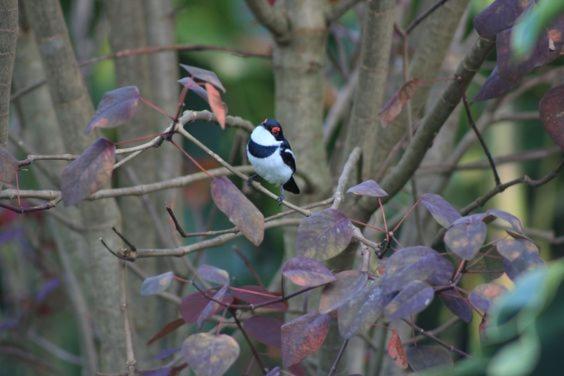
x: 130, y: 355
x: 249, y: 342
x: 480, y: 139
x: 436, y: 339
x: 424, y: 15
x: 333, y: 369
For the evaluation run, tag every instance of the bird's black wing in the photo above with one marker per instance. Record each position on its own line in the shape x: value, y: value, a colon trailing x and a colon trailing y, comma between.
x: 287, y: 155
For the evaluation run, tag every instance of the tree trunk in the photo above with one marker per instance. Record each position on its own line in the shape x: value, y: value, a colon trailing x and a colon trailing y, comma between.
x: 73, y: 107
x: 8, y: 39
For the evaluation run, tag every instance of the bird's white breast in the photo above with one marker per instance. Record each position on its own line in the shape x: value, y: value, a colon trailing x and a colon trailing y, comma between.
x: 272, y: 168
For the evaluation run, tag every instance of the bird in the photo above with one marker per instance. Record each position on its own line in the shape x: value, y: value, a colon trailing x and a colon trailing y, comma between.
x: 271, y: 156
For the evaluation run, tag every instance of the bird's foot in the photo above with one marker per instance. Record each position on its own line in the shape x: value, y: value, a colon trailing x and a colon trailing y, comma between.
x: 250, y: 180
x: 281, y: 197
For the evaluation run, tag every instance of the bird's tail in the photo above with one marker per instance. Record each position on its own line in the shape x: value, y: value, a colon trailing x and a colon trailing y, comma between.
x: 291, y: 186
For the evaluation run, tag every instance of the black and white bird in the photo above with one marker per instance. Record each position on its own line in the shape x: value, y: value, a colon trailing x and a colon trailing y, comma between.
x: 271, y: 155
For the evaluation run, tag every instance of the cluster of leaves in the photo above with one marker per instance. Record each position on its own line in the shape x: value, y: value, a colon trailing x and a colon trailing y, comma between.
x: 499, y: 21
x: 403, y: 285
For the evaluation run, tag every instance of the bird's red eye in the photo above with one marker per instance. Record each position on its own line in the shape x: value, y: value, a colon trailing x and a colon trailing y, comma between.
x: 275, y: 130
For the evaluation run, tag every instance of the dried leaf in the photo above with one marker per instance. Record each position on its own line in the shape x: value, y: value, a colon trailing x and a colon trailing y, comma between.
x: 158, y: 283
x: 512, y: 249
x: 213, y: 274
x: 167, y: 329
x: 412, y: 299
x: 349, y: 283
x: 193, y: 304
x: 443, y: 212
x: 240, y: 211
x: 210, y: 355
x: 193, y: 86
x: 499, y: 16
x: 307, y: 272
x: 457, y: 304
x: 551, y: 109
x: 258, y: 295
x: 303, y: 336
x: 217, y: 106
x: 89, y: 172
x: 397, y: 102
x: 483, y: 295
x: 361, y: 312
x: 466, y: 236
x: 266, y: 330
x: 324, y: 234
x: 212, y: 307
x: 8, y: 167
x: 424, y: 357
x: 116, y: 108
x: 396, y: 350
x: 203, y: 75
x: 368, y: 188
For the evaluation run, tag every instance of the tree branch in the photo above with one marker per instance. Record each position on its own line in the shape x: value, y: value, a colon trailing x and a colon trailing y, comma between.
x: 270, y: 17
x: 339, y: 9
x: 8, y: 40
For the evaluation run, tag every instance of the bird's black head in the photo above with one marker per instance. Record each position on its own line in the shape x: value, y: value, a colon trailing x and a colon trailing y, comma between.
x: 274, y: 127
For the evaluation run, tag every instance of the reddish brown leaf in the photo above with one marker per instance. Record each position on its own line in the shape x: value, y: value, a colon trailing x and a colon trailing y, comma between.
x: 116, y: 107
x: 203, y: 75
x: 258, y: 295
x: 266, y: 330
x: 167, y: 329
x: 397, y: 102
x: 193, y: 304
x: 303, y: 336
x: 307, y: 272
x: 349, y: 283
x: 8, y: 167
x: 89, y: 172
x: 240, y: 211
x: 396, y: 350
x: 216, y: 104
x: 551, y: 109
x: 210, y: 355
x: 324, y: 234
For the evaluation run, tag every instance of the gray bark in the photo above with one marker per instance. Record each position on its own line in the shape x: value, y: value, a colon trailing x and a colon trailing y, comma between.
x: 8, y: 39
x: 73, y: 107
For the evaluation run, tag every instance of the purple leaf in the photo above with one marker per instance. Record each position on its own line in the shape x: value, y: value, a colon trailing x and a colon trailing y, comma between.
x: 193, y: 304
x: 212, y: 307
x: 527, y: 261
x: 47, y: 288
x: 258, y: 295
x: 368, y: 188
x: 508, y: 218
x: 483, y: 295
x: 199, y: 74
x: 512, y: 249
x: 193, y: 86
x: 8, y: 167
x: 210, y: 355
x: 307, y: 272
x: 421, y: 357
x: 89, y: 172
x: 240, y: 211
x: 466, y: 236
x: 495, y: 86
x: 414, y: 298
x: 158, y: 283
x: 116, y: 107
x: 499, y: 16
x: 213, y: 274
x: 415, y: 263
x: 443, y: 212
x: 361, y: 312
x: 457, y: 304
x: 303, y: 336
x: 266, y: 330
x: 551, y: 109
x: 163, y: 354
x: 349, y: 283
x: 324, y: 234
